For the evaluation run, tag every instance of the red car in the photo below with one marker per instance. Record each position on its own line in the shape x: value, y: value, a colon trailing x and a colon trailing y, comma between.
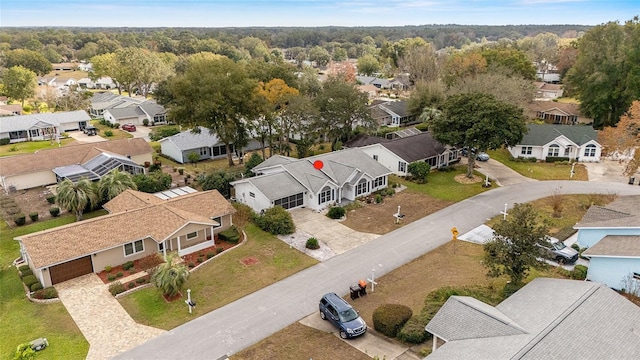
x: 129, y: 127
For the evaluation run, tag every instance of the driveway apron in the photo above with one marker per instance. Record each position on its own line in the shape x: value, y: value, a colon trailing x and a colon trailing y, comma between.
x: 337, y: 236
x: 500, y: 173
x: 103, y: 322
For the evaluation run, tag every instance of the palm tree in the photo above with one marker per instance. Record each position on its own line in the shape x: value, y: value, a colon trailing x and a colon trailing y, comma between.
x: 170, y: 276
x: 76, y: 196
x: 114, y: 183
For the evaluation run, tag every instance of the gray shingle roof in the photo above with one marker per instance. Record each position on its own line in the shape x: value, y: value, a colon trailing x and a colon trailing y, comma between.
x: 463, y: 317
x: 414, y: 148
x: 25, y: 122
x: 127, y: 112
x: 397, y: 107
x: 187, y: 140
x: 286, y: 185
x: 616, y: 245
x: 562, y: 318
x: 152, y: 108
x: 538, y: 135
x: 275, y: 160
x: 622, y: 212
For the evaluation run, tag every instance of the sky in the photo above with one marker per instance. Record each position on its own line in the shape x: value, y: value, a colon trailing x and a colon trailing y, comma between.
x: 307, y: 13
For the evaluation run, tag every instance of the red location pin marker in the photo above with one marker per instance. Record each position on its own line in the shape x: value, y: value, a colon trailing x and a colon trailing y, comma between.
x: 318, y: 164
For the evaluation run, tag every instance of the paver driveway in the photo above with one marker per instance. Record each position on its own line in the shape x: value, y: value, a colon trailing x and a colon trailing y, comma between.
x: 103, y: 322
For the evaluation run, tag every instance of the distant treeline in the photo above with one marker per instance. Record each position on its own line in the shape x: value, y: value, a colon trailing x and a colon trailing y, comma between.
x: 440, y: 36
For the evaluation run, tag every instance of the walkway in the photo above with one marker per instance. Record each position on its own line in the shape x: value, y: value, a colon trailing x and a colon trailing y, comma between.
x: 101, y: 319
x: 240, y: 324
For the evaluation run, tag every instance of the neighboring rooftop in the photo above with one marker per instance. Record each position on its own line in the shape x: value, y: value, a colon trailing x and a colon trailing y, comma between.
x: 616, y: 245
x: 189, y: 139
x: 622, y: 212
x: 539, y: 135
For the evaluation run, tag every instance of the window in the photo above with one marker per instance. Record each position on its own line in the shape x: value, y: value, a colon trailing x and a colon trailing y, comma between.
x: 290, y: 202
x: 554, y: 150
x: 361, y: 188
x: 590, y: 150
x: 375, y: 157
x: 402, y: 166
x: 636, y: 276
x: 526, y: 150
x: 326, y: 195
x: 378, y: 182
x: 34, y: 133
x: 567, y: 151
x: 203, y: 151
x: 218, y: 220
x: 133, y: 247
x: 252, y: 194
x: 192, y: 235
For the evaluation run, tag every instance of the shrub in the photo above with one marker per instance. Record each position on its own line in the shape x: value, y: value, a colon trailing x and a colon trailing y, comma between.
x: 33, y: 216
x: 119, y: 274
x: 108, y: 268
x: 390, y: 318
x: 336, y: 212
x: 419, y: 170
x: 46, y: 293
x: 181, y: 171
x: 51, y: 199
x: 210, y: 255
x: 36, y: 286
x: 553, y: 159
x: 30, y: 280
x: 116, y: 288
x: 575, y: 246
x: 413, y: 331
x: 131, y: 285
x: 20, y: 219
x: 128, y: 265
x: 150, y: 263
x: 5, y: 141
x: 219, y: 250
x: 54, y: 211
x: 24, y: 352
x: 111, y: 277
x: 25, y: 267
x: 141, y: 280
x: 312, y: 243
x: 579, y: 272
x: 277, y: 221
x: 108, y: 133
x: 378, y: 198
x: 230, y: 235
x: 192, y: 265
x: 145, y: 122
x: 26, y: 273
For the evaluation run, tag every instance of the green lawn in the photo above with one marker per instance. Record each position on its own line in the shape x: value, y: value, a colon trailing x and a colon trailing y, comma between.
x: 442, y: 185
x: 540, y: 170
x: 117, y: 133
x: 221, y: 281
x: 28, y: 147
x: 23, y: 321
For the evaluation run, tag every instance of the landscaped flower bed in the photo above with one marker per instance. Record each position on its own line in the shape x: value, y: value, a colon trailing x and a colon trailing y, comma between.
x: 194, y: 259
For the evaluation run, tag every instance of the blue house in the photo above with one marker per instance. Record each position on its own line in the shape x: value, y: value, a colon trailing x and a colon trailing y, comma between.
x: 612, y: 234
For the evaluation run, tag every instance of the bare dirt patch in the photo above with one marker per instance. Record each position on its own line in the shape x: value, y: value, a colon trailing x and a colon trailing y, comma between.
x: 250, y: 260
x: 379, y: 219
x: 463, y: 179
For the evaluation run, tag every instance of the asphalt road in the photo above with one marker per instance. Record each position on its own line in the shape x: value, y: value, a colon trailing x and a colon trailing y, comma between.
x: 246, y: 321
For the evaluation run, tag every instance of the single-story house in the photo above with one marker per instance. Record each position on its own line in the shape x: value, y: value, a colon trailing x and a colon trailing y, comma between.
x: 612, y: 235
x: 372, y: 80
x: 556, y: 113
x: 37, y: 169
x: 139, y: 224
x: 42, y: 126
x: 121, y: 110
x: 315, y: 182
x: 577, y: 143
x: 396, y: 154
x: 392, y: 113
x: 204, y: 143
x: 546, y: 319
x: 12, y: 109
x: 546, y: 91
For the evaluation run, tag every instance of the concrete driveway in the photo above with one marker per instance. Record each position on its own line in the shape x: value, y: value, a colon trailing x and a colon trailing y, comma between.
x: 336, y: 236
x: 142, y: 132
x: 104, y: 323
x: 501, y: 174
x: 82, y: 137
x: 370, y: 343
x: 606, y: 171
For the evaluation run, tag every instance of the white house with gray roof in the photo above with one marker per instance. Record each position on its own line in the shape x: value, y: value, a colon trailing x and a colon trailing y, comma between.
x: 546, y: 319
x: 574, y: 142
x: 612, y: 235
x: 294, y: 183
x: 204, y: 143
x: 42, y: 126
x: 121, y: 110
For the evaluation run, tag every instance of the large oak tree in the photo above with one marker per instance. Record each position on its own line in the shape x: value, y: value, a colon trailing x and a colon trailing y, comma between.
x: 479, y: 121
